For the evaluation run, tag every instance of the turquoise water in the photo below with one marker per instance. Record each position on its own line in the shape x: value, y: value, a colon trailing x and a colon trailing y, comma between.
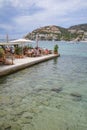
x: 49, y: 96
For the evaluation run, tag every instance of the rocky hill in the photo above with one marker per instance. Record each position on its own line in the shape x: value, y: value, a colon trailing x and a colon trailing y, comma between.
x: 79, y: 27
x: 58, y: 33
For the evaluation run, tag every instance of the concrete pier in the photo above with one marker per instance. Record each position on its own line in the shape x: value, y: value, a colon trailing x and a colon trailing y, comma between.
x: 24, y: 63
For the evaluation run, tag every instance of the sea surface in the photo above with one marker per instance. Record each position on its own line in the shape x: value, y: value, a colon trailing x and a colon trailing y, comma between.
x: 48, y: 96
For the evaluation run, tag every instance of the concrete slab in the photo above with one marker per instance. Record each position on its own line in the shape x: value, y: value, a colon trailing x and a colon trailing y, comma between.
x: 23, y: 63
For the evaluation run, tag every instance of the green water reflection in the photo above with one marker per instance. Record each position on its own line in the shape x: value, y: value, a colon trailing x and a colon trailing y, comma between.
x: 48, y: 96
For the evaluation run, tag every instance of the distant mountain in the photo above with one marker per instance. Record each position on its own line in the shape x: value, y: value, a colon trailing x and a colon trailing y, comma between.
x: 54, y: 32
x: 49, y: 33
x: 79, y: 27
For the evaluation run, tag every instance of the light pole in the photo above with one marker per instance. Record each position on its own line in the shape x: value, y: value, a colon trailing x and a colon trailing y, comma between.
x: 37, y: 39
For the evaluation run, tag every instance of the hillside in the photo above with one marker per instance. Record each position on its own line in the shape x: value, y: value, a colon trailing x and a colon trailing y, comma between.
x: 58, y: 33
x: 79, y: 27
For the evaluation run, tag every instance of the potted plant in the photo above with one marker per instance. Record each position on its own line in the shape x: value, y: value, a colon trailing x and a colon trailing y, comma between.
x: 18, y: 52
x: 56, y: 49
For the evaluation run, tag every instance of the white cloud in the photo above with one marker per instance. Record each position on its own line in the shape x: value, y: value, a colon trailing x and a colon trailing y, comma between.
x: 63, y: 7
x: 21, y: 3
x: 54, y: 12
x: 1, y: 3
x: 6, y: 26
x: 52, y: 9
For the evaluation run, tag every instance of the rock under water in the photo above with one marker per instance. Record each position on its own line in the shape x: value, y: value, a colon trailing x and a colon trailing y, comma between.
x: 57, y: 90
x: 77, y: 96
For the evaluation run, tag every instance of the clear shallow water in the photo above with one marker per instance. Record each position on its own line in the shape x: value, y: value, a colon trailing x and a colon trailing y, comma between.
x: 48, y: 96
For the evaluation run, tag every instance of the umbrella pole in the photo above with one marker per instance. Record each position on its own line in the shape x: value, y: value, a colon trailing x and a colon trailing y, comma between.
x: 22, y: 49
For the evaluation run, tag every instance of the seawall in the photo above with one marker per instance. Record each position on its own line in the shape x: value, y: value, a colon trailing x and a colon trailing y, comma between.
x: 20, y: 64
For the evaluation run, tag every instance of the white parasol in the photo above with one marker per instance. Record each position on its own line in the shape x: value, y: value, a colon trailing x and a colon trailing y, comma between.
x: 22, y: 40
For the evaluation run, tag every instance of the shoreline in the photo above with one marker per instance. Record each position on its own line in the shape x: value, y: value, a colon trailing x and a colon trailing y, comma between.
x: 23, y: 63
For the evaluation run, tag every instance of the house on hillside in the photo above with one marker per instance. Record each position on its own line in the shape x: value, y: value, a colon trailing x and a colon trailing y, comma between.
x: 85, y: 36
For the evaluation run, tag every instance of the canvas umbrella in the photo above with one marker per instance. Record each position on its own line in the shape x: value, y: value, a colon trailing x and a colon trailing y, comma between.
x: 21, y: 41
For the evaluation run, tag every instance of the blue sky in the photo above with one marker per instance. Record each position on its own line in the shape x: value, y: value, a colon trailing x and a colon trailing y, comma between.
x: 19, y: 17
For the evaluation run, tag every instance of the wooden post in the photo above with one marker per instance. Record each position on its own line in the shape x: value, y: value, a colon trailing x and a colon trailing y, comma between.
x: 12, y: 58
